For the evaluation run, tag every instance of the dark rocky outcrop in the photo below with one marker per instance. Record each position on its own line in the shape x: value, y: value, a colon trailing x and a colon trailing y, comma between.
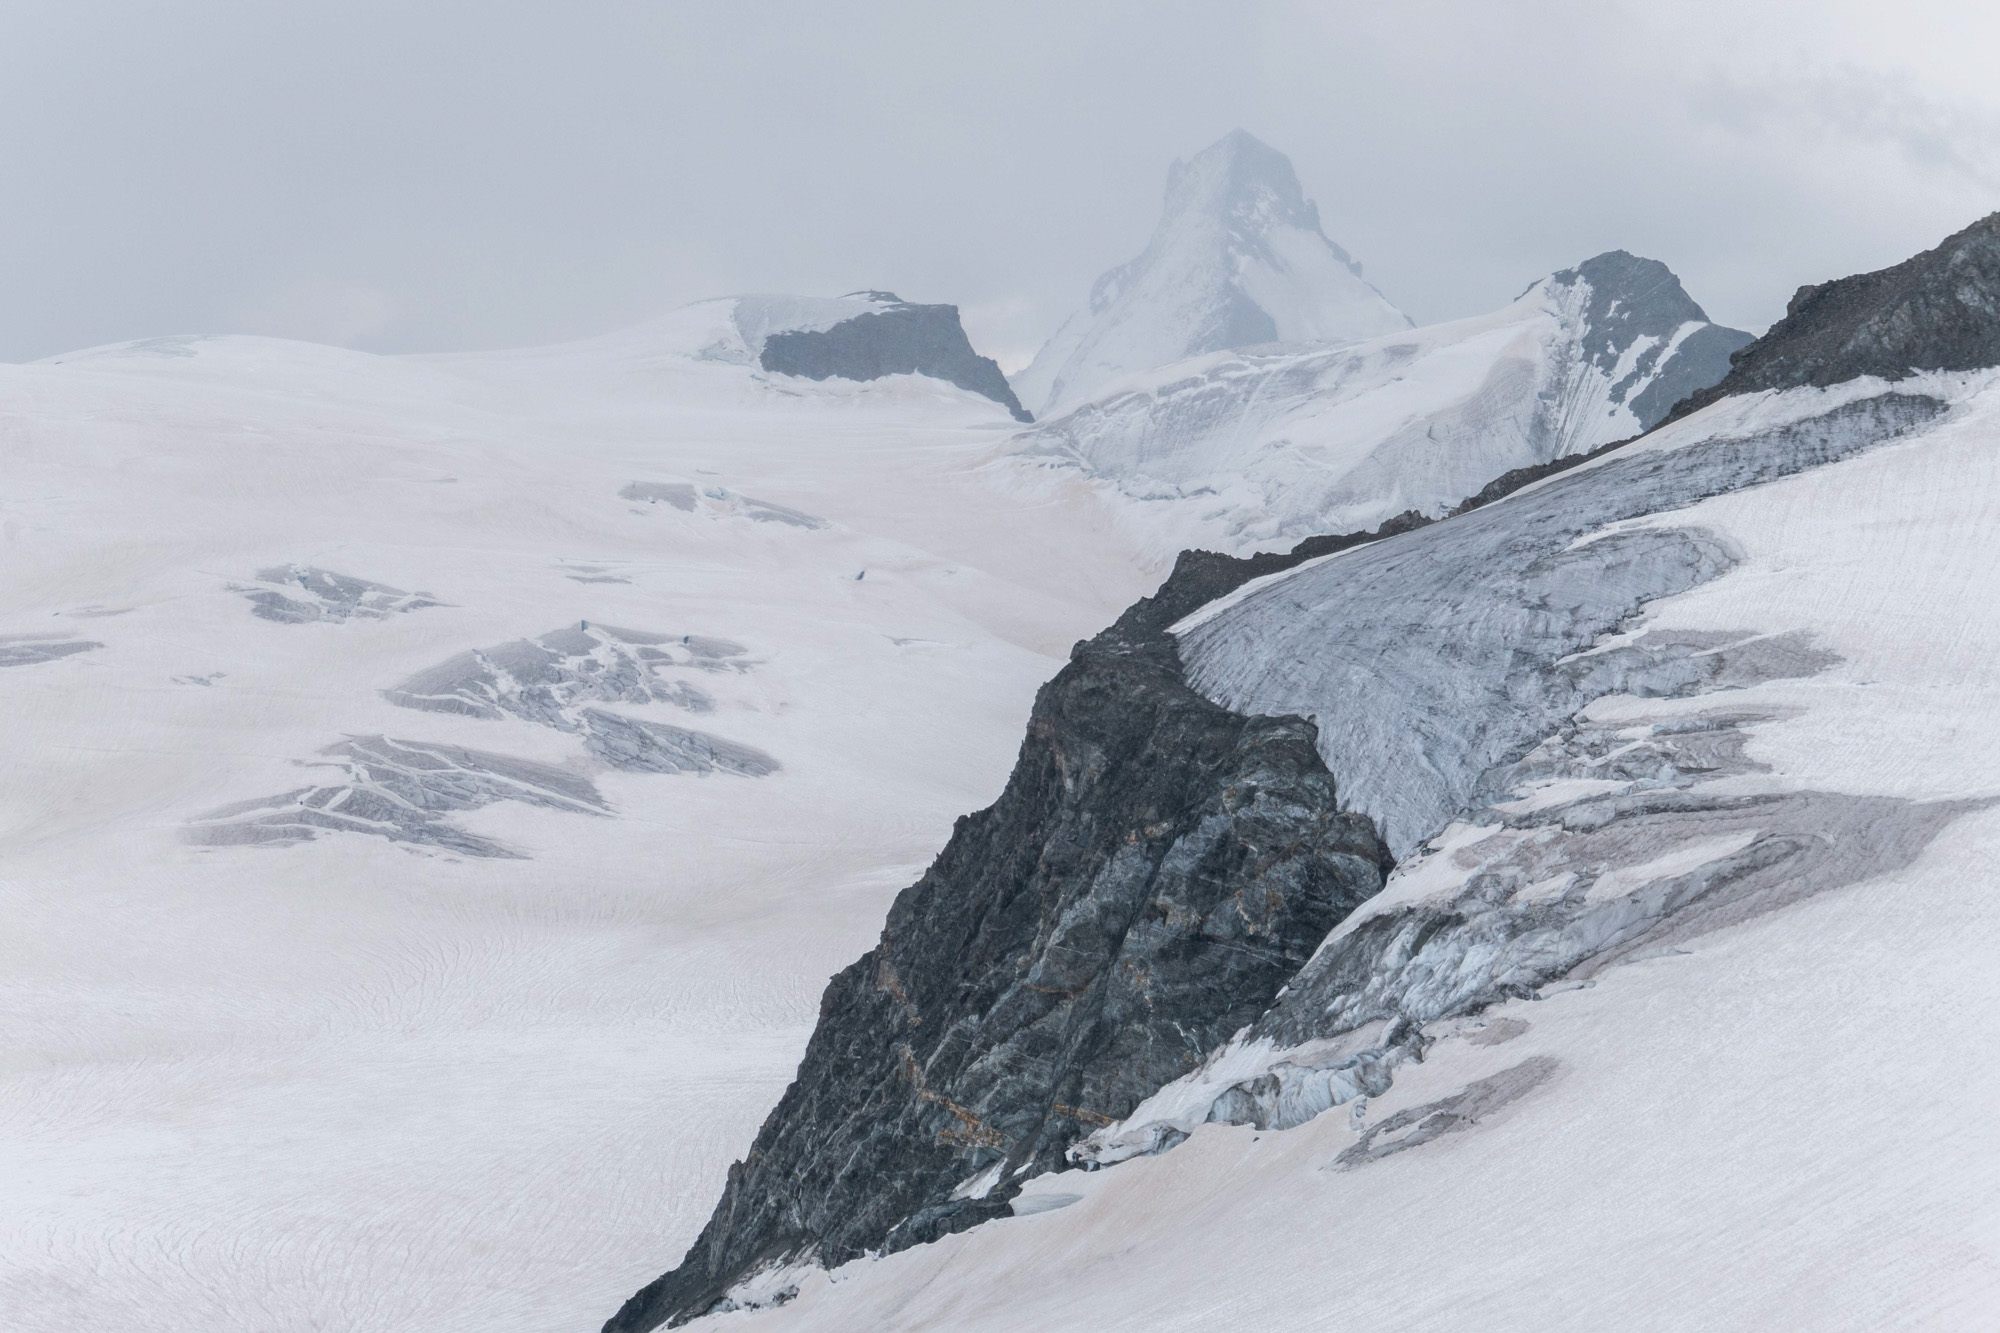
x: 1155, y: 871
x: 899, y: 339
x: 1631, y: 298
x: 1939, y: 310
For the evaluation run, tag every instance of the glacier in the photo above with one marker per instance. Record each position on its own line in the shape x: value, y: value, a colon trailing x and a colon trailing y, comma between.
x: 1683, y: 753
x: 440, y: 788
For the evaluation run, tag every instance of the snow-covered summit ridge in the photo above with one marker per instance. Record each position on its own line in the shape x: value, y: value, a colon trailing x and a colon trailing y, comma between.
x: 1238, y: 259
x: 1278, y: 443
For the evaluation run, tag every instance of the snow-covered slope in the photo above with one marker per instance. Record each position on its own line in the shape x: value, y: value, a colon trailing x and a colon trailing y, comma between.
x: 1695, y: 984
x: 1251, y: 448
x: 1238, y: 259
x: 437, y: 790
x: 1686, y: 755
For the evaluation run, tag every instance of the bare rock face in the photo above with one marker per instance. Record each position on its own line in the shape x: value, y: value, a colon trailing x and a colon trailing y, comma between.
x: 1154, y: 873
x: 1939, y: 310
x: 1636, y: 330
x: 895, y: 338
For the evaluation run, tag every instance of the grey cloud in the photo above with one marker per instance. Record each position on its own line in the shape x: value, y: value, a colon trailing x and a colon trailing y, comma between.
x: 463, y: 174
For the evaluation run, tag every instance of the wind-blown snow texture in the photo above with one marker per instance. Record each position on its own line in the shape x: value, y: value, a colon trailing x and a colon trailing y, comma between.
x: 1238, y: 259
x: 1274, y: 445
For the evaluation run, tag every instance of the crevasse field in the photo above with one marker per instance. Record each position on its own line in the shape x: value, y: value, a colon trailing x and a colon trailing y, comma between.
x: 448, y: 1021
x: 1785, y: 1122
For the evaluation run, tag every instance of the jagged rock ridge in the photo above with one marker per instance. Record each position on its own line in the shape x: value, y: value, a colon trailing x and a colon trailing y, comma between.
x: 881, y: 334
x: 1238, y: 259
x: 1155, y: 870
x: 1939, y: 310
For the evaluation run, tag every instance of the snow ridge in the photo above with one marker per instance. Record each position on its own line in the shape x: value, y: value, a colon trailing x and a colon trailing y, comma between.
x: 1280, y: 443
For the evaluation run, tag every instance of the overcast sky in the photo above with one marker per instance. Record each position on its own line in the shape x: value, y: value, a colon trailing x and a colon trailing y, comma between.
x: 435, y: 174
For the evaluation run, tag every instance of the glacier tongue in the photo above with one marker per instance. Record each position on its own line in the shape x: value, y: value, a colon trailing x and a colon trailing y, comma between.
x: 1238, y: 259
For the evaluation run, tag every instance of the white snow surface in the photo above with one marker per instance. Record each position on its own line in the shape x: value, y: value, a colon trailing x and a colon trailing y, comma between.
x: 1260, y: 448
x: 351, y: 1083
x: 1238, y: 259
x: 758, y: 317
x: 1785, y: 1123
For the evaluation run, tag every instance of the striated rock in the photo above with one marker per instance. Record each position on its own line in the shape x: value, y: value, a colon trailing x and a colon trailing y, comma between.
x: 1156, y: 869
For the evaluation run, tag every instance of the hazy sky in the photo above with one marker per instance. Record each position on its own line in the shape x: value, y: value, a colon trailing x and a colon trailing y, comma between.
x: 432, y: 174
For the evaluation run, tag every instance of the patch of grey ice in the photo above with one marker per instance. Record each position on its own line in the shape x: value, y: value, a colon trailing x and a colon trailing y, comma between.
x: 29, y: 649
x: 1448, y: 1115
x: 310, y: 593
x: 718, y: 500
x: 399, y: 790
x: 547, y: 680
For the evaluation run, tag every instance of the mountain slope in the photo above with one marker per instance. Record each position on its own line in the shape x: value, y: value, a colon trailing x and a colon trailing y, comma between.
x: 440, y: 787
x: 1934, y: 311
x: 1238, y: 259
x: 1691, y: 713
x: 1273, y: 445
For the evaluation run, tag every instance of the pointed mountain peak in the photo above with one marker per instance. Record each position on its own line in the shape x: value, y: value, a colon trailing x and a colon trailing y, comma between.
x: 1637, y: 327
x: 1238, y: 259
x: 1241, y: 180
x: 1629, y: 288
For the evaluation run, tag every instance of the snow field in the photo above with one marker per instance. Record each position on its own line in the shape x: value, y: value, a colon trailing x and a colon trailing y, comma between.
x: 349, y: 1085
x: 1783, y: 1124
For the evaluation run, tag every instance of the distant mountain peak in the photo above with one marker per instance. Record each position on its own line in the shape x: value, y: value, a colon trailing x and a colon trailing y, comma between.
x: 1636, y: 325
x: 1244, y: 181
x: 1238, y: 259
